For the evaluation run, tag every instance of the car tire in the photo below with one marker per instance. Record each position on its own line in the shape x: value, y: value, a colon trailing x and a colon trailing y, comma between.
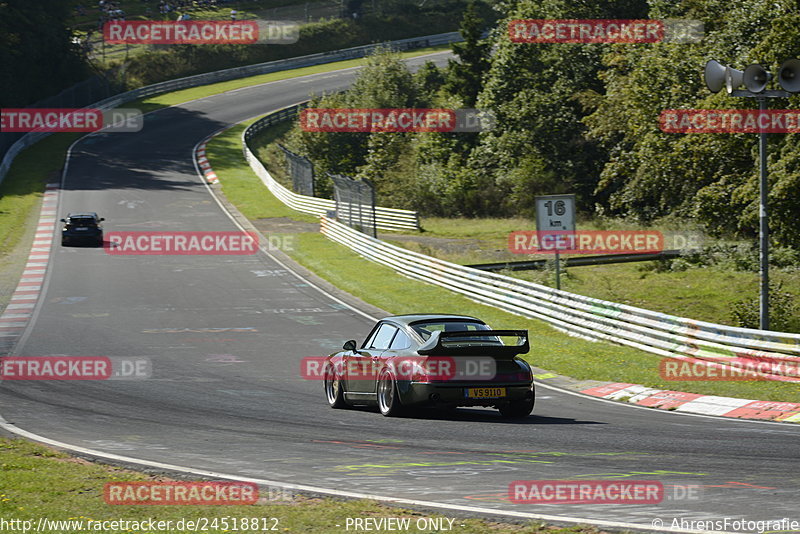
x: 334, y: 391
x: 388, y: 398
x: 64, y: 242
x: 518, y: 409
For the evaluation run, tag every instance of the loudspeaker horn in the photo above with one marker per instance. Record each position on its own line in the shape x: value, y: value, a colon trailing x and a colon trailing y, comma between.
x: 789, y: 75
x: 714, y: 76
x: 756, y: 78
x: 733, y: 78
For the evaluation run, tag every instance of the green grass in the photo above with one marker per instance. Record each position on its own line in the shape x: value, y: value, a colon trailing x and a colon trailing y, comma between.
x: 36, y: 165
x: 552, y: 350
x: 481, y: 228
x: 382, y: 287
x: 24, y: 185
x: 20, y: 198
x: 39, y: 482
x: 705, y: 294
x: 254, y: 202
x: 186, y: 95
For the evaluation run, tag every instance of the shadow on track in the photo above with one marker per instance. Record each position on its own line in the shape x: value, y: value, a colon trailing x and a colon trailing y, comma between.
x: 159, y: 157
x: 473, y: 415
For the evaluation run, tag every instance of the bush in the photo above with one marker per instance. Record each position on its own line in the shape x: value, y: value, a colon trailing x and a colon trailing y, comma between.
x: 784, y: 257
x: 784, y: 313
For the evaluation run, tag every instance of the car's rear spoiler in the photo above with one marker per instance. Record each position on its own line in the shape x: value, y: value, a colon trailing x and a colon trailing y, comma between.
x: 434, y: 344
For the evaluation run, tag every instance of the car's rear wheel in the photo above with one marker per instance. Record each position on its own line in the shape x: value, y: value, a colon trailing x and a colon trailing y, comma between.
x: 333, y: 389
x: 388, y: 398
x: 517, y: 409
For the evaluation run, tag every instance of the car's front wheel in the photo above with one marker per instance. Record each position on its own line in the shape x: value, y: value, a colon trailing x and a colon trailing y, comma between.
x: 517, y: 409
x: 333, y: 389
x: 388, y: 399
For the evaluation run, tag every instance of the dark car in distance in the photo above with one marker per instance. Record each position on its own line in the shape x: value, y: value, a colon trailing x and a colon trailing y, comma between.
x: 82, y: 228
x: 432, y: 360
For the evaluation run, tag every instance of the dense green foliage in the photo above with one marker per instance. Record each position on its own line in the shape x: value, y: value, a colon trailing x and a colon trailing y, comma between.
x: 582, y: 118
x: 783, y: 311
x: 395, y: 21
x: 710, y: 176
x: 37, y: 57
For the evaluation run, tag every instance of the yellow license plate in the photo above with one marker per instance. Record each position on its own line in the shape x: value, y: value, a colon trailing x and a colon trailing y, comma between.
x: 485, y: 393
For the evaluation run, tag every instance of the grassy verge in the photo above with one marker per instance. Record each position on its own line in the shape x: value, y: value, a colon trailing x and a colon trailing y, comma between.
x: 253, y: 200
x: 20, y: 196
x: 24, y: 186
x: 706, y: 293
x: 185, y: 95
x: 36, y: 165
x: 384, y: 288
x: 39, y: 482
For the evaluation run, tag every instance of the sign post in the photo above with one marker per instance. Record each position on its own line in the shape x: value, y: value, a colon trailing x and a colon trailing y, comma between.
x: 555, y: 216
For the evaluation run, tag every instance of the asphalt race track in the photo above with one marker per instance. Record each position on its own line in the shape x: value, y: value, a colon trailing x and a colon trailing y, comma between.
x: 225, y: 335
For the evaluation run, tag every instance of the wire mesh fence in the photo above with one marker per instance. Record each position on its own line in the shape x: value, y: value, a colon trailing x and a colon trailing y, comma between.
x: 302, y: 172
x: 355, y: 203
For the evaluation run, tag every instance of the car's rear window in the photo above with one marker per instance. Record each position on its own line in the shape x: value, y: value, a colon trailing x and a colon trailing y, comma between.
x: 426, y: 328
x: 81, y: 222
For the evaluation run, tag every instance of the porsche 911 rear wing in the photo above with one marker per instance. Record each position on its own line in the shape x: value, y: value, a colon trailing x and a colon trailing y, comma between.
x: 476, y: 343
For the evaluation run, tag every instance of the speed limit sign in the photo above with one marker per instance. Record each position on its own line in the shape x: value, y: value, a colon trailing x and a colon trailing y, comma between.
x: 555, y: 213
x: 555, y: 216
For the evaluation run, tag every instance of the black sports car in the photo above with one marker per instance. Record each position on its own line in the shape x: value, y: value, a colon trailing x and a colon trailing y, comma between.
x: 442, y: 360
x: 82, y: 228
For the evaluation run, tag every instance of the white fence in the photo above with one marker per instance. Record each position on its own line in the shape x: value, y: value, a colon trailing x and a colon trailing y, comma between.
x: 695, y: 341
x: 385, y: 218
x: 233, y: 74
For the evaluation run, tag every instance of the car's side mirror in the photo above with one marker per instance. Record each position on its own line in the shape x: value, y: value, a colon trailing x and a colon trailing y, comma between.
x: 63, y: 220
x: 101, y: 219
x: 350, y: 345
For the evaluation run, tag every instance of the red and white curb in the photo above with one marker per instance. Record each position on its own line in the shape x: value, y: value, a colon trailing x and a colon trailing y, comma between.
x: 787, y: 412
x: 205, y: 166
x: 15, y: 317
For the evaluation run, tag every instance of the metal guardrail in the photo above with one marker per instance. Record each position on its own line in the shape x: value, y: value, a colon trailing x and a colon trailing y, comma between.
x: 577, y: 261
x: 233, y: 74
x: 667, y: 335
x: 385, y: 218
x: 709, y: 344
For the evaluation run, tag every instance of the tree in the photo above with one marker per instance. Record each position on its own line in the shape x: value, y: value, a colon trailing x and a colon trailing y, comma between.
x: 429, y: 79
x: 465, y: 76
x: 384, y: 82
x: 37, y: 56
x: 713, y: 177
x: 539, y: 94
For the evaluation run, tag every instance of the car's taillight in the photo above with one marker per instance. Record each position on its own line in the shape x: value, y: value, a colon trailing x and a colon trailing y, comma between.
x: 526, y: 374
x: 419, y: 374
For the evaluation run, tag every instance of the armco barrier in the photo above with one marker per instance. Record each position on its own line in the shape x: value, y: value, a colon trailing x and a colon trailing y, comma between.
x: 385, y: 218
x: 233, y: 74
x: 666, y: 335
